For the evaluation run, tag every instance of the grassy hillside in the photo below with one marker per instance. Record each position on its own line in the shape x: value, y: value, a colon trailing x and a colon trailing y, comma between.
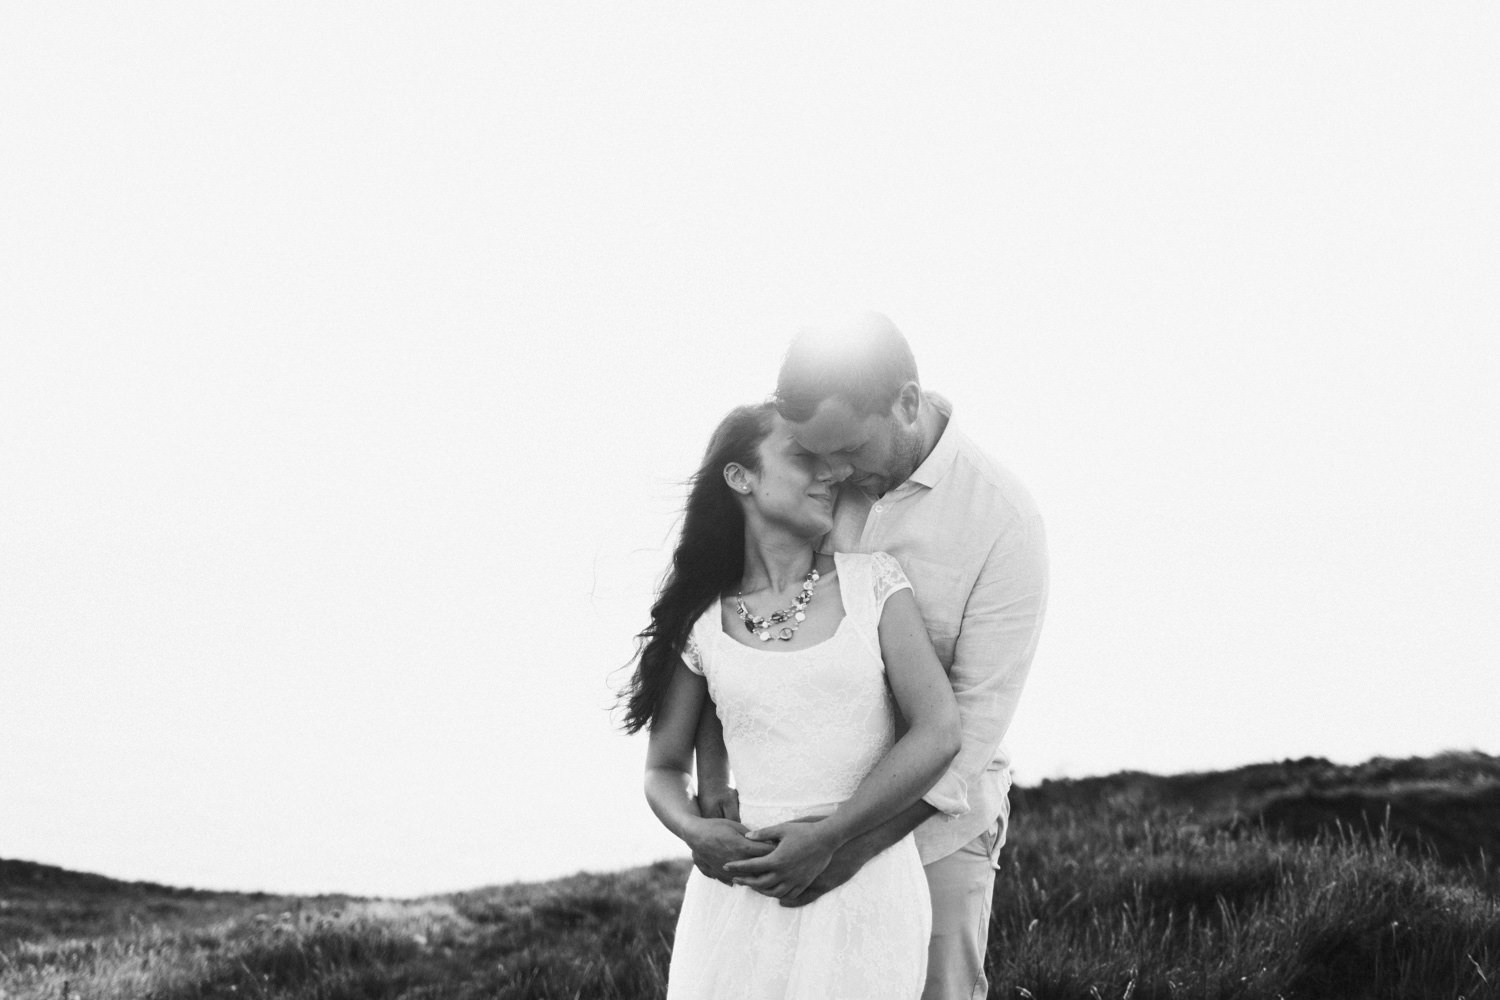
x: 1448, y: 805
x: 39, y: 902
x: 1221, y: 885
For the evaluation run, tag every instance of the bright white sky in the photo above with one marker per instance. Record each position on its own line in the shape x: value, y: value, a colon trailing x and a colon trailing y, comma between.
x: 352, y: 358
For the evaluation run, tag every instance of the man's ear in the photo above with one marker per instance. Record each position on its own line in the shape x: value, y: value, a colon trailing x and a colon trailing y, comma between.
x: 909, y: 402
x: 739, y: 478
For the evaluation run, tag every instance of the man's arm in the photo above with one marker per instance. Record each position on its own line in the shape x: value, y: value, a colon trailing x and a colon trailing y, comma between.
x: 1001, y: 624
x: 715, y: 796
x: 849, y: 859
x: 717, y: 800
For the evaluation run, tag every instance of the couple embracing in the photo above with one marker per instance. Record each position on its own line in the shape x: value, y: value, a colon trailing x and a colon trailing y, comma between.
x: 847, y: 623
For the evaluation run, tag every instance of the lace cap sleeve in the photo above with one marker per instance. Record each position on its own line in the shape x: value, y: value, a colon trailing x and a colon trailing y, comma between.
x: 691, y: 655
x: 889, y: 577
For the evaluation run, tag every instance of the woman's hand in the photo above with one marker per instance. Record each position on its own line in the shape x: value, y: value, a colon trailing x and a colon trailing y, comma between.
x: 803, y: 850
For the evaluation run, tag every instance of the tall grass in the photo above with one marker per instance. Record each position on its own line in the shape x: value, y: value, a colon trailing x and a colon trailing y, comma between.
x: 1092, y: 903
x: 586, y: 936
x: 1102, y: 904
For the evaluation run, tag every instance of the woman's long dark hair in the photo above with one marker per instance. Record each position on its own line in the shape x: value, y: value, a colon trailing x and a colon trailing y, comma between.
x: 708, y: 561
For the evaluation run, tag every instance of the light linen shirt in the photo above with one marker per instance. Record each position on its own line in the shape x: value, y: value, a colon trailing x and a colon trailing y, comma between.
x: 970, y: 540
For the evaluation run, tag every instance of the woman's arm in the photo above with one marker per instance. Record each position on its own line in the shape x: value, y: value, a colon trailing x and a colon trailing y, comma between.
x: 902, y: 776
x: 669, y: 760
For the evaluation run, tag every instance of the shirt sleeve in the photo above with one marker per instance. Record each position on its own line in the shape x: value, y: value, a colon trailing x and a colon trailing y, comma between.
x: 997, y: 639
x: 888, y: 578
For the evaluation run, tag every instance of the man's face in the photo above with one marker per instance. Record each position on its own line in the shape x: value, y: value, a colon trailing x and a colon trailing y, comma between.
x: 876, y: 453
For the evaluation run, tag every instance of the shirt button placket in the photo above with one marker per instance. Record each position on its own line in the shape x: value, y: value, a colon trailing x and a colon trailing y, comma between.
x: 867, y: 535
x: 869, y: 532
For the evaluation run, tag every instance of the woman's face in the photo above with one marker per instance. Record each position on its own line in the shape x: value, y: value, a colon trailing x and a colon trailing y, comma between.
x: 794, y: 488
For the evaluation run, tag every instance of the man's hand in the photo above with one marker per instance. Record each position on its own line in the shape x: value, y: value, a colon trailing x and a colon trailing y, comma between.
x: 843, y: 866
x: 854, y: 855
x: 719, y: 803
x: 803, y: 850
x: 720, y: 841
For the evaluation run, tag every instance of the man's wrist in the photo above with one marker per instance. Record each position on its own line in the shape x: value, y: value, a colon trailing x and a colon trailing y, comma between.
x: 890, y: 832
x: 830, y: 836
x: 863, y: 848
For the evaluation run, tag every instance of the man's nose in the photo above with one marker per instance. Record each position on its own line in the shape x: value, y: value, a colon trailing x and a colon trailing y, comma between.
x: 839, y: 469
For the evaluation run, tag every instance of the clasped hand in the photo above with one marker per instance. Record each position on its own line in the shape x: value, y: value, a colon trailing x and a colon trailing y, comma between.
x: 802, y: 851
x: 721, y: 841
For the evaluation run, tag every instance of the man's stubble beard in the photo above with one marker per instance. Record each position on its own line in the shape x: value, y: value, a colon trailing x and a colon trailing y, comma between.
x: 908, y: 455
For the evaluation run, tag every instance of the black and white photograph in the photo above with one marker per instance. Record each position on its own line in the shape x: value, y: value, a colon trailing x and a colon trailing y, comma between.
x: 749, y: 501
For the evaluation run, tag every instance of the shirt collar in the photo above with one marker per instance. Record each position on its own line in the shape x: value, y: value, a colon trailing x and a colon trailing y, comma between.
x: 938, y: 461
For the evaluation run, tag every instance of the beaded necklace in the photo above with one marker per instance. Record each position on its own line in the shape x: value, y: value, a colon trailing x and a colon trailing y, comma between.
x: 790, y: 619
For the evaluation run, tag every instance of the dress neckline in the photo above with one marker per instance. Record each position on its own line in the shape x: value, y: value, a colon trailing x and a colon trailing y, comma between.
x: 838, y: 562
x: 786, y: 652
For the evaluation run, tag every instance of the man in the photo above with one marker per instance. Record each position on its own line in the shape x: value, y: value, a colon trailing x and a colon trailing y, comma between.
x: 970, y: 539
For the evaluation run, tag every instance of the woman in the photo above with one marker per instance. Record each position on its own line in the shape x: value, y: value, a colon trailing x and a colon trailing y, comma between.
x: 804, y: 654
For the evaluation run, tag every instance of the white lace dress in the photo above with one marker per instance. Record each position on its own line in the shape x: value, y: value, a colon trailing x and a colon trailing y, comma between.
x: 803, y: 727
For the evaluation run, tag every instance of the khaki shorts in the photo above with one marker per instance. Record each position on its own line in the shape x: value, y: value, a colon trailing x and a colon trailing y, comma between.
x: 962, y: 887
